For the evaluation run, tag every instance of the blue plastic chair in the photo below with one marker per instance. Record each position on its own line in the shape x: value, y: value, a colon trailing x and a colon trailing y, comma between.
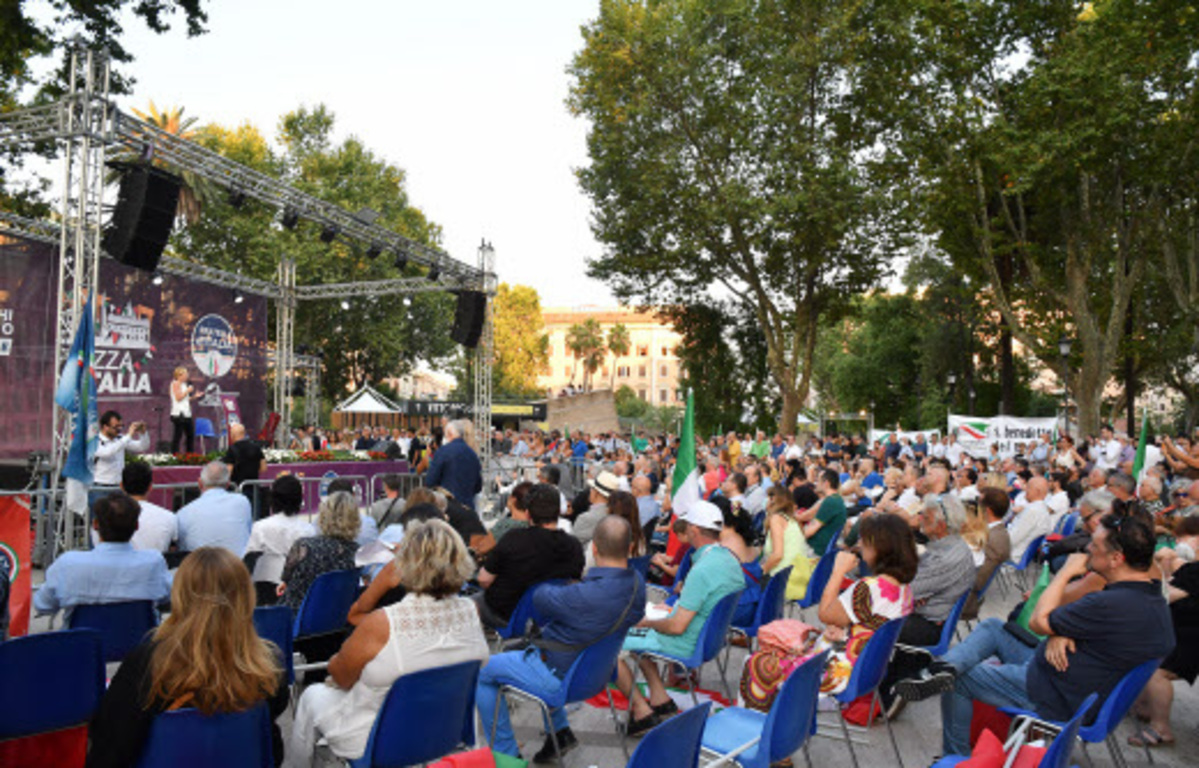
x: 1069, y: 523
x: 831, y: 548
x: 868, y: 672
x: 273, y: 622
x: 186, y: 738
x: 122, y: 626
x: 204, y: 429
x: 641, y: 565
x: 1026, y: 559
x: 674, y: 743
x: 51, y: 681
x: 950, y: 625
x: 1113, y: 710
x: 522, y: 614
x: 780, y: 732
x: 327, y: 603
x: 711, y: 641
x: 588, y: 675
x: 426, y: 715
x: 680, y: 577
x: 1058, y: 753
x: 818, y: 581
x: 770, y: 606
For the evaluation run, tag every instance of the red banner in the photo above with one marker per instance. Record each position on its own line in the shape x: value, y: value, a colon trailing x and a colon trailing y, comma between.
x: 16, y: 543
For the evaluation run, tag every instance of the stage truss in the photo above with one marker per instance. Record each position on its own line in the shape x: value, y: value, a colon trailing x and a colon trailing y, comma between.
x: 85, y: 124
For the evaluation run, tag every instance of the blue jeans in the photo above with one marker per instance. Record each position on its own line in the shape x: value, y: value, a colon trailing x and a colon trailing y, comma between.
x: 1000, y: 685
x: 525, y: 670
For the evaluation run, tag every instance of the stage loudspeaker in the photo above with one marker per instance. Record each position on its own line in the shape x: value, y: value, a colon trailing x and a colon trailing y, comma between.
x: 144, y: 214
x: 468, y: 320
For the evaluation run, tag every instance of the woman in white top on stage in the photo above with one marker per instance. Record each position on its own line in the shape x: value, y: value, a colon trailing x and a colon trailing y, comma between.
x: 181, y: 411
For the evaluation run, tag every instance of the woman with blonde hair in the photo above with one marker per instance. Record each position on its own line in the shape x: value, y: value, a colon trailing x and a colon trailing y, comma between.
x: 182, y: 423
x: 331, y: 550
x: 431, y: 627
x: 205, y: 655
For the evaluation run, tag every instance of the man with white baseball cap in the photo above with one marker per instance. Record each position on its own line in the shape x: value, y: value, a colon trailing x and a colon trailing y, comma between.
x: 715, y: 572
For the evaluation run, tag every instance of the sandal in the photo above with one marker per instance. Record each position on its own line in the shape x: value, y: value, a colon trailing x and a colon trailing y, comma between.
x: 1149, y: 737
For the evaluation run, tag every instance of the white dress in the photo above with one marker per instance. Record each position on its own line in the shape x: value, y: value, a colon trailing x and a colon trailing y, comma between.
x: 425, y: 633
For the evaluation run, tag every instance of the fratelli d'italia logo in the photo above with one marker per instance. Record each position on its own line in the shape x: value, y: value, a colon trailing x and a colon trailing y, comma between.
x: 214, y: 346
x: 14, y: 562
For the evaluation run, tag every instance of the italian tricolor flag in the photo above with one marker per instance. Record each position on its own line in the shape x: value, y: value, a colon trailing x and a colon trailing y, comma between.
x: 685, y: 480
x: 974, y: 430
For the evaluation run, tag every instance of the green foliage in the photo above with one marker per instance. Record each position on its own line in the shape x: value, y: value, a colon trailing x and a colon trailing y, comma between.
x: 373, y: 338
x: 585, y: 341
x: 628, y: 405
x: 521, y: 346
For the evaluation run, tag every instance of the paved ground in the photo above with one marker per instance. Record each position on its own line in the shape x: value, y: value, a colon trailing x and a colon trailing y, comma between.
x: 918, y: 729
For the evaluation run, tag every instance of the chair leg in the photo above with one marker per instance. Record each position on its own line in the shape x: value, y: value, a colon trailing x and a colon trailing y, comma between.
x: 1087, y: 754
x: 692, y: 683
x: 807, y: 755
x: 1113, y: 747
x: 848, y: 741
x: 549, y: 728
x: 891, y: 734
x: 624, y: 739
x: 500, y: 701
x: 724, y: 677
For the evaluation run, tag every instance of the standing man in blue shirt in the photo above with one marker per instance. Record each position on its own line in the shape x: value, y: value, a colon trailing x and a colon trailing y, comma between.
x: 218, y: 518
x: 113, y: 572
x: 456, y: 467
x: 609, y: 600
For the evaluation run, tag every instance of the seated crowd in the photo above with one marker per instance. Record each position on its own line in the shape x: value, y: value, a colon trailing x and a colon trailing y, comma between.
x: 913, y: 529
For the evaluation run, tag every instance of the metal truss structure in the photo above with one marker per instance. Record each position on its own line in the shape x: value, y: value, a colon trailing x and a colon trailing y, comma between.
x: 85, y: 124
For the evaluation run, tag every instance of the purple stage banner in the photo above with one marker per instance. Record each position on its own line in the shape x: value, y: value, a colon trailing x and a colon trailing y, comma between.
x: 143, y: 333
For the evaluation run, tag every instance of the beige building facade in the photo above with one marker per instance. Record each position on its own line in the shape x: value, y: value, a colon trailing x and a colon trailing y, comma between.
x: 651, y: 368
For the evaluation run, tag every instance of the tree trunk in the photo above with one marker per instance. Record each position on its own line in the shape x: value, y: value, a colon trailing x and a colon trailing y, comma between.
x: 792, y: 404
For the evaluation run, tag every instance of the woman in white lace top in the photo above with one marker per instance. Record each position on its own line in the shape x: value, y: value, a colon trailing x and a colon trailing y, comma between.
x: 430, y: 627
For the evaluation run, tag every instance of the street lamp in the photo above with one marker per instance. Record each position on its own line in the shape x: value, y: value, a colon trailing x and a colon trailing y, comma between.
x: 952, y: 378
x: 1063, y: 347
x: 972, y: 396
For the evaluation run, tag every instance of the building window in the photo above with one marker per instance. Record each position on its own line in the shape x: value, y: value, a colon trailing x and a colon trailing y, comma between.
x: 661, y: 396
x: 664, y: 353
x: 641, y: 393
x: 641, y: 371
x: 566, y: 371
x: 662, y: 370
x: 622, y: 372
x: 643, y: 350
x: 679, y: 396
x: 605, y: 371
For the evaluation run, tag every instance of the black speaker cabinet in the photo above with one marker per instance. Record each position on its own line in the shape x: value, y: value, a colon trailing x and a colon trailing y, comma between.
x: 144, y: 214
x: 468, y: 320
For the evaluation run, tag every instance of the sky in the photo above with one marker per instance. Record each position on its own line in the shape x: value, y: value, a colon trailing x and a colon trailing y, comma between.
x: 468, y: 97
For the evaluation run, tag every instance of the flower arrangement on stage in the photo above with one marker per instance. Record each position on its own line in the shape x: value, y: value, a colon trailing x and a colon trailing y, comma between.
x: 272, y: 456
x: 177, y: 459
x: 316, y: 456
x: 377, y: 455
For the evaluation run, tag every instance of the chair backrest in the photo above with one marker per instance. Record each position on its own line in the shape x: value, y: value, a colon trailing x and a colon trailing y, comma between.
x: 789, y: 722
x: 522, y: 614
x: 592, y: 669
x: 122, y: 626
x: 714, y: 634
x: 950, y: 625
x: 871, y: 665
x: 1120, y: 700
x: 680, y: 577
x: 1058, y: 754
x: 425, y: 716
x: 327, y: 603
x: 675, y: 743
x: 832, y: 542
x: 204, y: 427
x: 50, y: 681
x: 187, y: 738
x: 273, y: 622
x: 1069, y: 523
x: 819, y: 579
x: 770, y: 605
x: 1033, y: 547
x: 640, y: 565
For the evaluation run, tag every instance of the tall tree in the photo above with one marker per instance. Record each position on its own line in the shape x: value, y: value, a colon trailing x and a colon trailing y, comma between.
x: 619, y: 344
x: 725, y: 155
x: 521, y: 346
x: 585, y: 341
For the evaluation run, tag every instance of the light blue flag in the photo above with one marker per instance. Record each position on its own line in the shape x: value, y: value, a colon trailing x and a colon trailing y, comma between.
x: 76, y: 394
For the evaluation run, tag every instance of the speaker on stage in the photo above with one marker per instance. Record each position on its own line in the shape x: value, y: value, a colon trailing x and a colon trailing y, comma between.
x: 144, y: 214
x: 468, y: 320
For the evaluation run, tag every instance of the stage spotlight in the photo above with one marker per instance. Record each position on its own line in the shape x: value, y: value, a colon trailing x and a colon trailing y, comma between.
x: 373, y: 252
x: 157, y: 278
x: 329, y: 233
x: 401, y: 261
x: 345, y: 304
x: 237, y: 198
x: 238, y: 298
x: 434, y: 273
x: 291, y: 217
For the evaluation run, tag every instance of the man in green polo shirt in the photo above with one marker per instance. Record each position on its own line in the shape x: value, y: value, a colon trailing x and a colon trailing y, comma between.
x: 826, y: 517
x: 715, y: 572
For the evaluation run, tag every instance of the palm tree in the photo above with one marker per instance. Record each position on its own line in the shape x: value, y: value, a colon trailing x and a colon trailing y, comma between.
x: 196, y: 190
x: 619, y: 344
x: 586, y: 342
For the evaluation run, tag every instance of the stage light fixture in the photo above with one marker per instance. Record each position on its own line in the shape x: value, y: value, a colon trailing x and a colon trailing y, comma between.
x: 401, y: 261
x: 345, y: 304
x: 157, y: 278
x: 373, y: 252
x: 291, y: 217
x: 434, y: 273
x: 237, y: 198
x: 238, y: 297
x: 329, y: 233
